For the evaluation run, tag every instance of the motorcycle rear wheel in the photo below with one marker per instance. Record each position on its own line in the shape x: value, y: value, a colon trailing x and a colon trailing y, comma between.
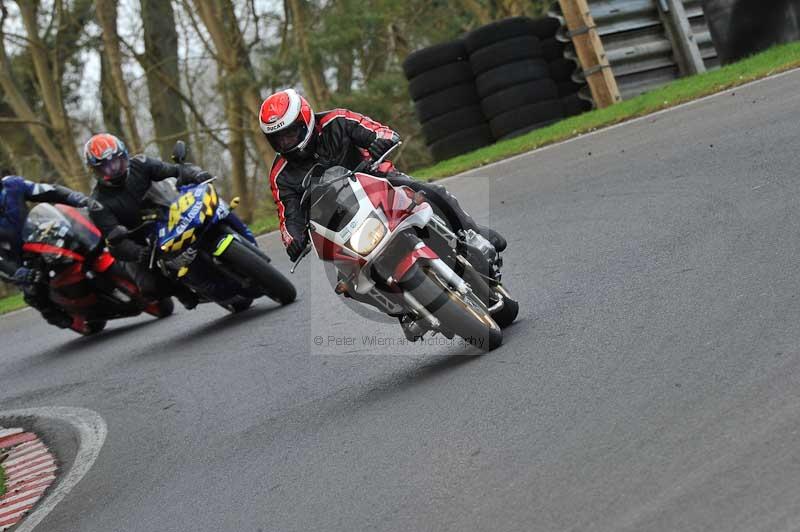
x: 252, y: 264
x: 464, y: 315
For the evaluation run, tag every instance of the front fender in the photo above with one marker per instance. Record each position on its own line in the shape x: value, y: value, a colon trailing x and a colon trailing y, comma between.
x: 420, y: 251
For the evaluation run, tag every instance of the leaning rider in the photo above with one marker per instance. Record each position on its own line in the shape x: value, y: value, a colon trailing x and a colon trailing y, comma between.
x: 339, y: 137
x: 122, y: 184
x: 14, y: 192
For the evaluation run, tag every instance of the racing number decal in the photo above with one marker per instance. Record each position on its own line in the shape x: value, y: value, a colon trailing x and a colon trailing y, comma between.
x: 179, y: 207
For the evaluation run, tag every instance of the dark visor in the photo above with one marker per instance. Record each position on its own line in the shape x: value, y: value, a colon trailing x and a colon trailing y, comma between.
x: 113, y: 168
x: 287, y: 139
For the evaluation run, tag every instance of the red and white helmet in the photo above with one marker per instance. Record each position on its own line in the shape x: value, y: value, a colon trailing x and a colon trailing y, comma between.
x: 287, y: 120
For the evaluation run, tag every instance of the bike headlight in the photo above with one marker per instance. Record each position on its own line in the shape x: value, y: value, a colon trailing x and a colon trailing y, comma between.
x: 368, y: 235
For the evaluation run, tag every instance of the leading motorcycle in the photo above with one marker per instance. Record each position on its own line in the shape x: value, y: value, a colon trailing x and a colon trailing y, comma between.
x: 392, y: 251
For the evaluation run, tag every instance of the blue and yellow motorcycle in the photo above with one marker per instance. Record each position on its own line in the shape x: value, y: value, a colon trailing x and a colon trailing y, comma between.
x: 200, y: 244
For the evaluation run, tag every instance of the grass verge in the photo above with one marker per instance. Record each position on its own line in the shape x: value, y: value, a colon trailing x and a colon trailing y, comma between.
x: 2, y: 481
x: 773, y: 61
x: 11, y: 303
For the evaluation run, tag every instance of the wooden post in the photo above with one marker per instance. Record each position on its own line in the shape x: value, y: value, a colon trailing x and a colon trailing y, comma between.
x: 591, y: 53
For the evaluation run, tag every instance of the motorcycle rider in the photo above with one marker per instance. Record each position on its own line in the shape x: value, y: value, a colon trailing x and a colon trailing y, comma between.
x: 122, y: 183
x: 339, y: 137
x: 14, y: 192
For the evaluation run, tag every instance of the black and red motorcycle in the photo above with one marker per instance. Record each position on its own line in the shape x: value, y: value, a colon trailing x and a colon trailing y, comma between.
x: 79, y: 273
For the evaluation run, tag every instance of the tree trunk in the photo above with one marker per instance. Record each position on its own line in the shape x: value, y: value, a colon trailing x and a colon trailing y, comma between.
x: 112, y: 112
x: 219, y: 19
x: 161, y: 61
x: 311, y: 69
x: 107, y: 17
x: 236, y: 143
x: 70, y: 165
x: 344, y: 72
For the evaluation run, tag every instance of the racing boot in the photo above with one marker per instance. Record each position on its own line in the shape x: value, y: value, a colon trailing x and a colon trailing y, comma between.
x: 188, y: 299
x: 495, y: 238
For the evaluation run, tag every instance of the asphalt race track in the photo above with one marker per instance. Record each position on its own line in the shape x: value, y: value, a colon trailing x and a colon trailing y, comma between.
x: 652, y: 381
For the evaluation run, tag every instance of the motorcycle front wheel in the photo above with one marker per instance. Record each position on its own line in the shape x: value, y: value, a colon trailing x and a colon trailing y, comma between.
x: 252, y: 264
x: 463, y: 315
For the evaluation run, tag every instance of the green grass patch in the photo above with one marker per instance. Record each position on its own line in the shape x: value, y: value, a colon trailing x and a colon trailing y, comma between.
x: 775, y: 60
x: 2, y: 481
x: 10, y: 303
x: 772, y: 61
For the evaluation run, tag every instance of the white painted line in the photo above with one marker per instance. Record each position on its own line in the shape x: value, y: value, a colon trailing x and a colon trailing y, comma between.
x: 28, y: 466
x: 92, y: 431
x: 44, y: 481
x: 34, y: 473
x: 27, y: 445
x: 36, y: 453
x: 25, y: 494
x: 17, y: 505
x: 9, y: 432
x: 15, y: 516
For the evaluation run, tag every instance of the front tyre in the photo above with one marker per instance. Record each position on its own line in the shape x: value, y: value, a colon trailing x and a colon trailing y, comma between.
x: 463, y: 315
x: 253, y: 265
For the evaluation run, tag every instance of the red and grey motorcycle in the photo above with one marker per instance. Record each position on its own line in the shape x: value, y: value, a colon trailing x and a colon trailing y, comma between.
x: 391, y: 250
x: 80, y: 275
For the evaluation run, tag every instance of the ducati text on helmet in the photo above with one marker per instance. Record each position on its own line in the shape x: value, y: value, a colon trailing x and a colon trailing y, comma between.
x: 107, y: 156
x: 287, y: 120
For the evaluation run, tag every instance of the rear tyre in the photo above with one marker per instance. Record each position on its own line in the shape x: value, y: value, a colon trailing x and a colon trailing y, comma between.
x: 254, y: 265
x: 93, y: 327
x: 453, y: 122
x: 501, y: 30
x: 434, y: 56
x: 439, y: 79
x: 239, y: 304
x: 511, y: 74
x: 461, y: 142
x: 445, y: 101
x: 506, y: 315
x: 519, y: 95
x: 465, y: 316
x: 162, y: 308
x: 508, y: 51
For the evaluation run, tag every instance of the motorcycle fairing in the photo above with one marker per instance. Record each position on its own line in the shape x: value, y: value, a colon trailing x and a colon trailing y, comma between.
x: 377, y: 198
x: 197, y: 207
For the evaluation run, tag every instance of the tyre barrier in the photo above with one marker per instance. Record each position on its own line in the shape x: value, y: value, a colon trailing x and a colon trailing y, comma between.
x: 442, y: 86
x: 498, y: 81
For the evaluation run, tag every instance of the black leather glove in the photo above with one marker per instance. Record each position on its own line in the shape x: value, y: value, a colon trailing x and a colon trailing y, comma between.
x: 380, y: 146
x: 90, y: 203
x: 296, y: 248
x: 27, y: 276
x: 191, y: 175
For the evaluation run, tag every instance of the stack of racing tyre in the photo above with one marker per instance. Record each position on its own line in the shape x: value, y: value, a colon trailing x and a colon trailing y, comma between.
x: 502, y: 80
x: 512, y: 77
x: 442, y: 86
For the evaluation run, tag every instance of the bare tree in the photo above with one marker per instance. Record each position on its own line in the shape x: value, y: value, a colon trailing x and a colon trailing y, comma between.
x: 48, y: 53
x: 107, y: 17
x: 232, y: 54
x: 160, y: 61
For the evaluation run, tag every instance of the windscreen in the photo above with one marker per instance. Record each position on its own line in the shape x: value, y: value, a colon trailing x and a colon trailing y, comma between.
x: 61, y: 226
x: 334, y: 205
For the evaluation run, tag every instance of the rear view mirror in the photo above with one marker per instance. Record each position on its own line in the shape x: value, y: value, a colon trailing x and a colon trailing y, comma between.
x: 179, y: 152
